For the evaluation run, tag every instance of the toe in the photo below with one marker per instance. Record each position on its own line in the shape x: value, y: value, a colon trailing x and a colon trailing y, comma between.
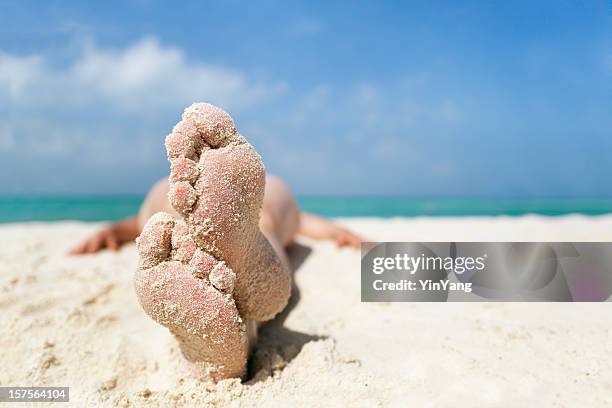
x: 182, y: 196
x: 183, y: 169
x: 184, y: 141
x: 154, y: 243
x: 202, y: 263
x: 183, y: 245
x: 222, y: 278
x: 216, y: 126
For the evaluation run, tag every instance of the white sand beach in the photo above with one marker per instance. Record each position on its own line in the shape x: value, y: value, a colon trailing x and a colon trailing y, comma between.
x: 75, y: 321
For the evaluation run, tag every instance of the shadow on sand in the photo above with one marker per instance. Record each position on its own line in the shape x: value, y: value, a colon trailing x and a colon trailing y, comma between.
x: 278, y: 345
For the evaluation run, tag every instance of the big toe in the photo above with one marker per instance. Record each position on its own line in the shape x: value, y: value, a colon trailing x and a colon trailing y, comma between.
x: 216, y: 127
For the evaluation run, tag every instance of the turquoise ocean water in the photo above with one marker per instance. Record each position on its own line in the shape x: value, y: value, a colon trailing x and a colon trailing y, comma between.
x: 98, y: 208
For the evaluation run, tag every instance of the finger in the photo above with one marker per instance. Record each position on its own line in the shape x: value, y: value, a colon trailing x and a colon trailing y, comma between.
x: 111, y: 243
x: 93, y: 245
x: 355, y: 240
x: 341, y: 242
x: 77, y: 250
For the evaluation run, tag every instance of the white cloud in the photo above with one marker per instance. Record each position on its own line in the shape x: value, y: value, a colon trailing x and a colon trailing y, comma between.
x: 143, y: 77
x: 99, y: 107
x: 39, y: 137
x: 83, y: 106
x: 16, y: 72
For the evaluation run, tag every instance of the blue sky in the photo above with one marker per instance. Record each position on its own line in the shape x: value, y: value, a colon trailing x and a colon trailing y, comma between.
x: 482, y: 98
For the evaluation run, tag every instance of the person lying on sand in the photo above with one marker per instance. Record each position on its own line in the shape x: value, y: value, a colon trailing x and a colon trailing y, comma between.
x: 213, y: 264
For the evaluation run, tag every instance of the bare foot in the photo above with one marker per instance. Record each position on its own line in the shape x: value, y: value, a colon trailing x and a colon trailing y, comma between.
x: 204, y: 278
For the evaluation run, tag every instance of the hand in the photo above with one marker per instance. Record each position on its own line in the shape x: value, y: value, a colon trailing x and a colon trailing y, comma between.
x: 316, y: 227
x: 112, y: 237
x: 106, y: 238
x: 347, y: 238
